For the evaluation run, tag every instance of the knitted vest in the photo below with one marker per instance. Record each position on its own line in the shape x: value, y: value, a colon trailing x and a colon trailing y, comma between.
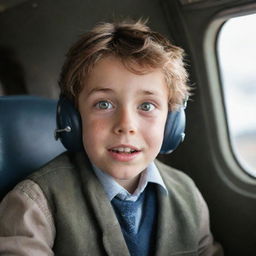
x: 142, y: 242
x: 86, y: 223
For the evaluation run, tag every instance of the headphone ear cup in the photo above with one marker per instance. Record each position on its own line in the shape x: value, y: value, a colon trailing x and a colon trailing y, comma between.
x: 174, y: 131
x: 68, y: 116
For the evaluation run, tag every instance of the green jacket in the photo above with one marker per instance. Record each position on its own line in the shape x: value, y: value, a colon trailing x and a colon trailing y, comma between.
x: 87, y: 225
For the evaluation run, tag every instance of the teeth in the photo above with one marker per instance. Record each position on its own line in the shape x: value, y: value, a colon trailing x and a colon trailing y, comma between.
x: 127, y: 150
x: 121, y: 150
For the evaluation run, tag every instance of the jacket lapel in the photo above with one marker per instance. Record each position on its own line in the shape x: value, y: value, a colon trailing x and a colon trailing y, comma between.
x: 174, y: 235
x: 112, y: 236
x: 165, y: 227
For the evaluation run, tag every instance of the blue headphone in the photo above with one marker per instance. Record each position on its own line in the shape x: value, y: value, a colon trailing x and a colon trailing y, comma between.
x: 69, y: 129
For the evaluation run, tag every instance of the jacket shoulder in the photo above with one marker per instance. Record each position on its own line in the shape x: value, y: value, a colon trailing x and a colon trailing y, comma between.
x: 169, y: 172
x: 58, y: 165
x: 177, y: 181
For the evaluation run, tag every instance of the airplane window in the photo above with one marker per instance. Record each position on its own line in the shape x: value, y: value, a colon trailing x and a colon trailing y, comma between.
x: 236, y: 47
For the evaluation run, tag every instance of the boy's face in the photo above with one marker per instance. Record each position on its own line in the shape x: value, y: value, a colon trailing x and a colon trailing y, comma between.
x: 123, y: 119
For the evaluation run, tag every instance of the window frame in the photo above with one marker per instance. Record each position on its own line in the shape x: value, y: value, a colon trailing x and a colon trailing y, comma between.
x: 225, y: 159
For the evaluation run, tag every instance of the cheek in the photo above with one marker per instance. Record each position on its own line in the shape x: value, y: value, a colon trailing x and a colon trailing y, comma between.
x: 92, y: 130
x: 154, y: 132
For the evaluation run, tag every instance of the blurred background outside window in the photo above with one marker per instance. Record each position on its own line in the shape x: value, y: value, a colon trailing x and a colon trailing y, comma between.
x: 236, y: 47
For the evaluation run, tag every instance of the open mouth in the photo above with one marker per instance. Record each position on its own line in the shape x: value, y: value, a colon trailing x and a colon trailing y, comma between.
x: 124, y: 153
x: 124, y: 150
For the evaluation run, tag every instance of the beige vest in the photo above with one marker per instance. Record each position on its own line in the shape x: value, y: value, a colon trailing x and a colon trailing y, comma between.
x: 85, y: 220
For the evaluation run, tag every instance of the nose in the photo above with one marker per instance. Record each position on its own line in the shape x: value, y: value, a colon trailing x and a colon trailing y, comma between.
x: 125, y: 122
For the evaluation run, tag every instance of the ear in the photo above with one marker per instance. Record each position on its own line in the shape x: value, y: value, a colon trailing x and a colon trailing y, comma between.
x: 69, y: 125
x: 174, y: 130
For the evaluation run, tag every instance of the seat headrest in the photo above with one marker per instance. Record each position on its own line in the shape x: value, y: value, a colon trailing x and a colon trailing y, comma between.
x: 27, y: 141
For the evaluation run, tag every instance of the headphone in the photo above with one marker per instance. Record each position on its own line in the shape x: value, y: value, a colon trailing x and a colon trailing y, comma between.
x: 69, y: 127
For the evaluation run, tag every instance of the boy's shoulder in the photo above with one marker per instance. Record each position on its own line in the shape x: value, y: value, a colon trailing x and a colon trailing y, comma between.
x: 66, y: 176
x: 182, y: 191
x: 60, y: 163
x: 169, y: 172
x: 64, y: 167
x: 175, y: 180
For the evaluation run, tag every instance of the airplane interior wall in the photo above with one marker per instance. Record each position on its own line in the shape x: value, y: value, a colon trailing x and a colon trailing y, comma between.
x: 35, y: 35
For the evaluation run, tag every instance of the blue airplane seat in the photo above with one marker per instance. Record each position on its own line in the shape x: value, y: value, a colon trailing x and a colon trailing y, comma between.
x: 27, y: 125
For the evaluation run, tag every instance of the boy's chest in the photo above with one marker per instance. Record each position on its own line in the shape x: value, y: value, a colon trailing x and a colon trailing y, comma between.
x: 93, y: 229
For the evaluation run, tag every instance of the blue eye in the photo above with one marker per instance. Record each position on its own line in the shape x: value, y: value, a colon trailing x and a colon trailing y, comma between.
x: 104, y: 105
x: 147, y: 106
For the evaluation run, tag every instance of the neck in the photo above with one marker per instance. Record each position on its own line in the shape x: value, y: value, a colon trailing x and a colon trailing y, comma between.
x: 130, y: 185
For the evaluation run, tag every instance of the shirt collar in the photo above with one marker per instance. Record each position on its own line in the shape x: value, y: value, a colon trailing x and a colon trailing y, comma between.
x: 112, y: 188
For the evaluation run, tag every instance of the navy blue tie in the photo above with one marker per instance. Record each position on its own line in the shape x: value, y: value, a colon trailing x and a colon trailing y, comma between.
x: 126, y: 212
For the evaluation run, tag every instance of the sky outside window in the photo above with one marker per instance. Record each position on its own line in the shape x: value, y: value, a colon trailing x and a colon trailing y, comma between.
x: 236, y: 48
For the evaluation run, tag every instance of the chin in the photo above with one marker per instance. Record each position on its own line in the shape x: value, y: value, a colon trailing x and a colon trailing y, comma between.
x: 125, y: 175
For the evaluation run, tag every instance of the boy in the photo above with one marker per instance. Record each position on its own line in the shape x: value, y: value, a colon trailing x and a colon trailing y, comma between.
x: 114, y: 198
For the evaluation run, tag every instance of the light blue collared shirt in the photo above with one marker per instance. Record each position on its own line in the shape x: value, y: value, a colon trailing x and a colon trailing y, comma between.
x: 113, y: 189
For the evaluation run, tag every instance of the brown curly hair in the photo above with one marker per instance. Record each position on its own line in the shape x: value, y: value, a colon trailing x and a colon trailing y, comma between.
x: 136, y: 45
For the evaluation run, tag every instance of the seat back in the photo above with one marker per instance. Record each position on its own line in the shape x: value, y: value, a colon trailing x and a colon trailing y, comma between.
x: 27, y: 141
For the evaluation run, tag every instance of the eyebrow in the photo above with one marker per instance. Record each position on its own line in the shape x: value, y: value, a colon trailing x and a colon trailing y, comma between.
x: 99, y: 89
x: 109, y: 90
x: 148, y: 92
